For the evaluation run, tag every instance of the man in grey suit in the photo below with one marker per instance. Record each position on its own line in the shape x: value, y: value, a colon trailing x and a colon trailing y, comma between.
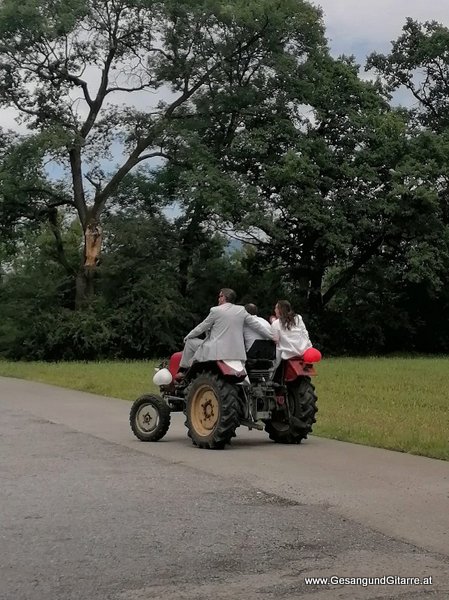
x: 224, y: 326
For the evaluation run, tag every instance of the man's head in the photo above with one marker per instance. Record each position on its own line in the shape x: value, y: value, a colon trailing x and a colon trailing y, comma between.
x: 226, y: 295
x: 251, y: 309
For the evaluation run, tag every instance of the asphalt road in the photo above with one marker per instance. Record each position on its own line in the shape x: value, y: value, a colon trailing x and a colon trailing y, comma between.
x: 87, y: 512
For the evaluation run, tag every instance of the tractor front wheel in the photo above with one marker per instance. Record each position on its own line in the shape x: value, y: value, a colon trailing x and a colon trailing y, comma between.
x: 149, y: 418
x: 211, y: 411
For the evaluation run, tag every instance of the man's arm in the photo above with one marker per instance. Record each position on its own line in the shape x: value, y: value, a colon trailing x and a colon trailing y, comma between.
x: 205, y: 325
x: 252, y: 322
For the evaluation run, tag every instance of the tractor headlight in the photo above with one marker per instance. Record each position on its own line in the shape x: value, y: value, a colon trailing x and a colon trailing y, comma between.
x: 162, y: 377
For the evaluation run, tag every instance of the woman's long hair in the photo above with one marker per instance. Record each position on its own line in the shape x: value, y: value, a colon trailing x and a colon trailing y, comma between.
x: 287, y: 315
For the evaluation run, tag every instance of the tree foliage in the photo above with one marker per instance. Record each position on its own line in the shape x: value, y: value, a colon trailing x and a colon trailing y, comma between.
x: 64, y: 64
x: 339, y: 198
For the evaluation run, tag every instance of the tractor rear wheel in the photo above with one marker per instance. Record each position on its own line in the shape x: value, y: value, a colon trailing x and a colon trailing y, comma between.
x: 211, y: 411
x: 149, y: 418
x: 293, y: 429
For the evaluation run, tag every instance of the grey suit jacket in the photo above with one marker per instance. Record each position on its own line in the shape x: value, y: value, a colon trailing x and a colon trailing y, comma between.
x: 225, y: 326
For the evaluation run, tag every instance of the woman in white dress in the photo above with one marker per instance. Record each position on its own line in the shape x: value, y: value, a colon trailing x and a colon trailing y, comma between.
x: 289, y: 332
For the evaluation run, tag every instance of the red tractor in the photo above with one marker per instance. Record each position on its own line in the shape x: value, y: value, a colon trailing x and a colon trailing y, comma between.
x: 217, y: 397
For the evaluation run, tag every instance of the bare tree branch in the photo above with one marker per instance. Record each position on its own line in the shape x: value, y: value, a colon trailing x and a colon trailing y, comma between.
x: 96, y: 184
x: 82, y: 84
x: 154, y: 155
x: 133, y: 159
x: 59, y: 200
x: 96, y: 105
x: 131, y: 89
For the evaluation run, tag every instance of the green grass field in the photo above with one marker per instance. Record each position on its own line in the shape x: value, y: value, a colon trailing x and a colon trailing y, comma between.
x: 395, y: 403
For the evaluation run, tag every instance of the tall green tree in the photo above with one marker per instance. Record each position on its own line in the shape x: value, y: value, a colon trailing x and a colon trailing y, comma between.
x: 312, y: 171
x: 66, y: 65
x: 418, y: 65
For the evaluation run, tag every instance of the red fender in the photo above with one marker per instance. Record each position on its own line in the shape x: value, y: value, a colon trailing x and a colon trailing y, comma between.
x: 301, y: 365
x: 173, y: 365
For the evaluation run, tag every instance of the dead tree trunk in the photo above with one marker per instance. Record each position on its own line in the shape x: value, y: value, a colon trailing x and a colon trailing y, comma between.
x: 85, y: 280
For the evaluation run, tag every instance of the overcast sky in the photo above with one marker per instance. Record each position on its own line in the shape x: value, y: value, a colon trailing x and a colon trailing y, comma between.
x: 360, y: 27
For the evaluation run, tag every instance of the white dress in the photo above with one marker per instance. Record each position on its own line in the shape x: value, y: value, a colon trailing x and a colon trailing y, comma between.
x: 291, y: 342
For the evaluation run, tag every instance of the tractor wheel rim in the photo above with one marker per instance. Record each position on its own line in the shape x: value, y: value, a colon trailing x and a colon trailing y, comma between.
x: 147, y: 418
x: 204, y: 410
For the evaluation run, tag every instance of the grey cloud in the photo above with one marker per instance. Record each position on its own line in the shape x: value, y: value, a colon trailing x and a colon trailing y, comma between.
x: 363, y: 26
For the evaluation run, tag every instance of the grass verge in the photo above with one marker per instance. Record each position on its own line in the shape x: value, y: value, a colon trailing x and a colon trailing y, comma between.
x: 394, y: 403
